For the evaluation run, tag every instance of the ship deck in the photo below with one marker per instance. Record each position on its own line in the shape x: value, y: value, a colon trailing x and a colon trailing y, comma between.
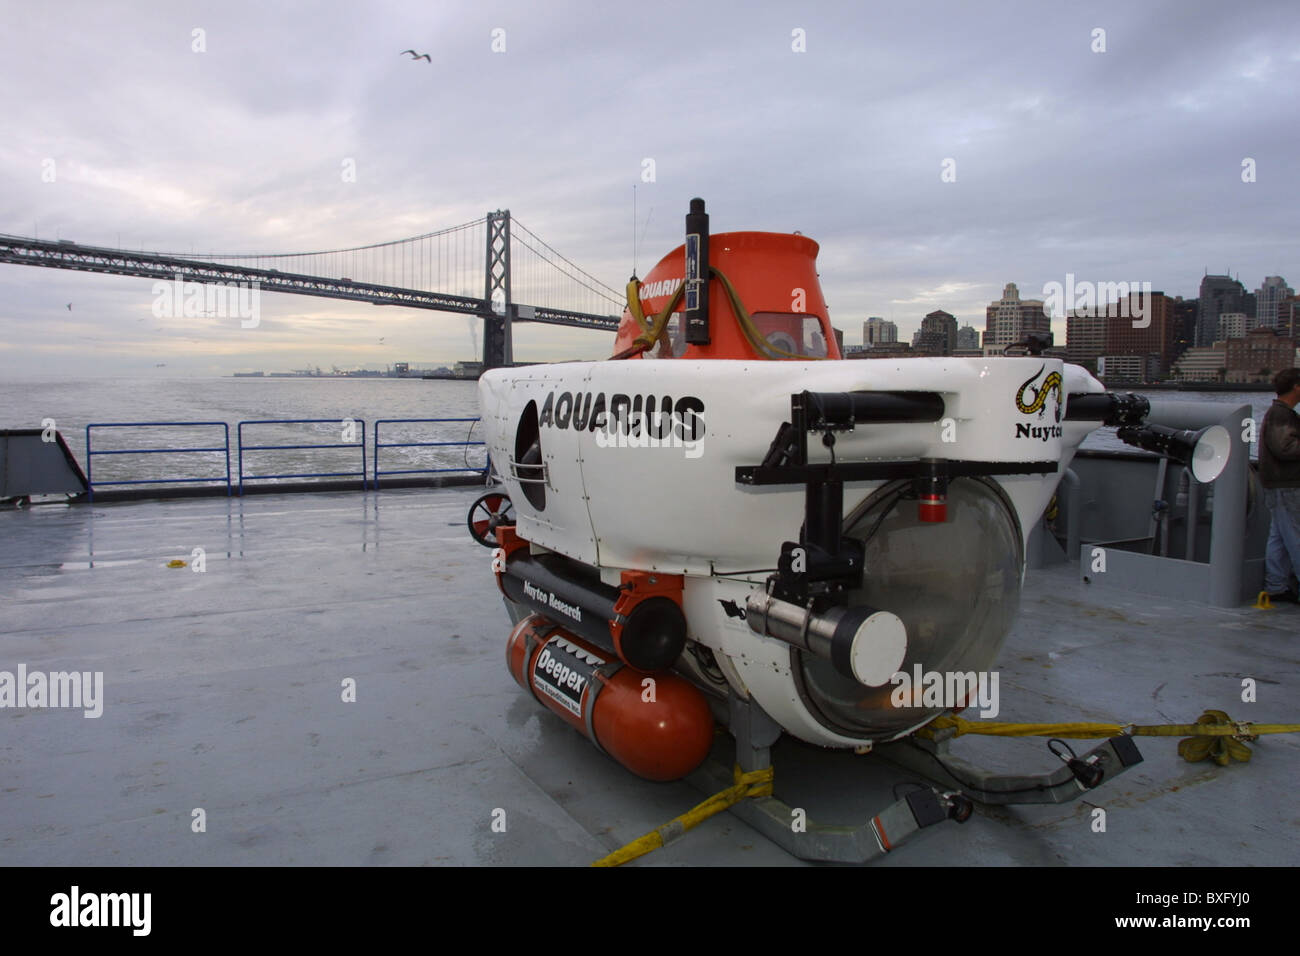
x: 223, y: 691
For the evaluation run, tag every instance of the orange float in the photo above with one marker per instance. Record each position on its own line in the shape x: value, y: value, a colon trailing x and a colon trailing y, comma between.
x: 657, y: 726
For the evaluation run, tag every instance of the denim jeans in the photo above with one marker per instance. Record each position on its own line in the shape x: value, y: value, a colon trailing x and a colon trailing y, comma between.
x: 1282, y: 559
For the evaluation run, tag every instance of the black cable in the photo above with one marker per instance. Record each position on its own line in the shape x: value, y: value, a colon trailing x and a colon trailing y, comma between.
x: 1068, y: 748
x: 1036, y: 788
x: 705, y: 667
x: 467, y: 437
x: 885, y: 511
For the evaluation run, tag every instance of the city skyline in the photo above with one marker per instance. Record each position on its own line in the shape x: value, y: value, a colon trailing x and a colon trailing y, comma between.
x: 1058, y: 321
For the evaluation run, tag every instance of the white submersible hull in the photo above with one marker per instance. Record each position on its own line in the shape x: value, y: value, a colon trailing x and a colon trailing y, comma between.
x: 614, y: 486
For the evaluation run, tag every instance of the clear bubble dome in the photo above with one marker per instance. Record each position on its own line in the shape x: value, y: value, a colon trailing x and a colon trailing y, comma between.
x: 955, y: 585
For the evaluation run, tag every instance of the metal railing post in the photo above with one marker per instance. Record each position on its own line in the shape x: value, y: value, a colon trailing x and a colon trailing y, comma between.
x: 91, y: 453
x: 303, y: 474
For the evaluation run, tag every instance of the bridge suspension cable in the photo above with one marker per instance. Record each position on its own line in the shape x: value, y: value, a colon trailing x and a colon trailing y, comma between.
x: 446, y: 260
x: 443, y: 270
x: 530, y: 272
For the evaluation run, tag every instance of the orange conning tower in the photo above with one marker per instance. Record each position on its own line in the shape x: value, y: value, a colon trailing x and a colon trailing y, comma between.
x: 774, y: 276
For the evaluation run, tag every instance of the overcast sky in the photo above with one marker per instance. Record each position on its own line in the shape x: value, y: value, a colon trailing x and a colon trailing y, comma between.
x: 1125, y: 164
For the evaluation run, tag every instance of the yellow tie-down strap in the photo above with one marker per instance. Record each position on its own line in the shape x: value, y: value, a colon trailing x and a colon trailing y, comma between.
x: 756, y: 783
x: 1214, y: 734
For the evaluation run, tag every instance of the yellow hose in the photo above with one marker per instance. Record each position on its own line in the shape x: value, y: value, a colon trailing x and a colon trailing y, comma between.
x: 761, y: 345
x: 651, y: 331
x: 634, y: 303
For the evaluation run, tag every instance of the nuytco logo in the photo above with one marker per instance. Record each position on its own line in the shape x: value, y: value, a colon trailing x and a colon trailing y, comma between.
x: 102, y: 909
x: 1032, y: 399
x: 950, y: 689
x: 84, y: 689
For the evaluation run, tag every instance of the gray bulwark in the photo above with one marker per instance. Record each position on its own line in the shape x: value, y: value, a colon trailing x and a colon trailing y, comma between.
x: 1233, y: 570
x: 32, y: 464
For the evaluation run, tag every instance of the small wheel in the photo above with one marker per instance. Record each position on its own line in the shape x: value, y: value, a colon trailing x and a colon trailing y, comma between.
x: 960, y: 807
x: 487, y: 514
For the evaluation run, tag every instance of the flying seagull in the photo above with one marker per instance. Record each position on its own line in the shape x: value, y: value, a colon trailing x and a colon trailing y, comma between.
x: 69, y: 306
x: 416, y: 56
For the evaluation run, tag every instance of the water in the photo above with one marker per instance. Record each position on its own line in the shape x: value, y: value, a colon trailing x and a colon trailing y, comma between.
x: 73, y: 405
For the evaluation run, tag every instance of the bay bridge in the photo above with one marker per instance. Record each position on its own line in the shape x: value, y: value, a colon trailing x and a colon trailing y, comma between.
x: 520, y: 277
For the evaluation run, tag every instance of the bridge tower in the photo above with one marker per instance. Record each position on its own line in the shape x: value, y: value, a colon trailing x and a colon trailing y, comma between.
x: 497, y: 307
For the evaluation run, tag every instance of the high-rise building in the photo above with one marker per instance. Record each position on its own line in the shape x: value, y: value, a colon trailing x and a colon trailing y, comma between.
x: 1145, y: 329
x: 1219, y: 294
x: 968, y: 337
x: 1267, y: 298
x: 1184, y: 322
x: 1234, y: 325
x: 1085, y: 337
x: 1288, y: 317
x: 1151, y: 335
x: 937, y: 334
x: 878, y: 331
x: 1010, y: 319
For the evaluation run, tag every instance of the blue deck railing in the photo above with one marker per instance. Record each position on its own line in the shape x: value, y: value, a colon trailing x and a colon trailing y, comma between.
x: 303, y: 474
x: 91, y: 453
x: 423, y: 444
x: 368, y: 474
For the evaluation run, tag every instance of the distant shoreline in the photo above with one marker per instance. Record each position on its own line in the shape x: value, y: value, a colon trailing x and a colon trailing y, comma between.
x: 1198, y: 387
x: 354, y: 378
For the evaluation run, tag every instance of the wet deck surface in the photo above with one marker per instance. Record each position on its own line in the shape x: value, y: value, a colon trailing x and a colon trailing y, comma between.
x: 223, y: 691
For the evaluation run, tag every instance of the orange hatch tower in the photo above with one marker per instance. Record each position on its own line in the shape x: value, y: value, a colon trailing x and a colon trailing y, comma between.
x: 762, y: 299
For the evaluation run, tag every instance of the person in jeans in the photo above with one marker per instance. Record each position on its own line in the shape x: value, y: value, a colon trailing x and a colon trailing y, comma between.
x: 1279, y: 473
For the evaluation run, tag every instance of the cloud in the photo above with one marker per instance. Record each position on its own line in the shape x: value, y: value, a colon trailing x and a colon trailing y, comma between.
x: 944, y: 292
x: 1066, y: 160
